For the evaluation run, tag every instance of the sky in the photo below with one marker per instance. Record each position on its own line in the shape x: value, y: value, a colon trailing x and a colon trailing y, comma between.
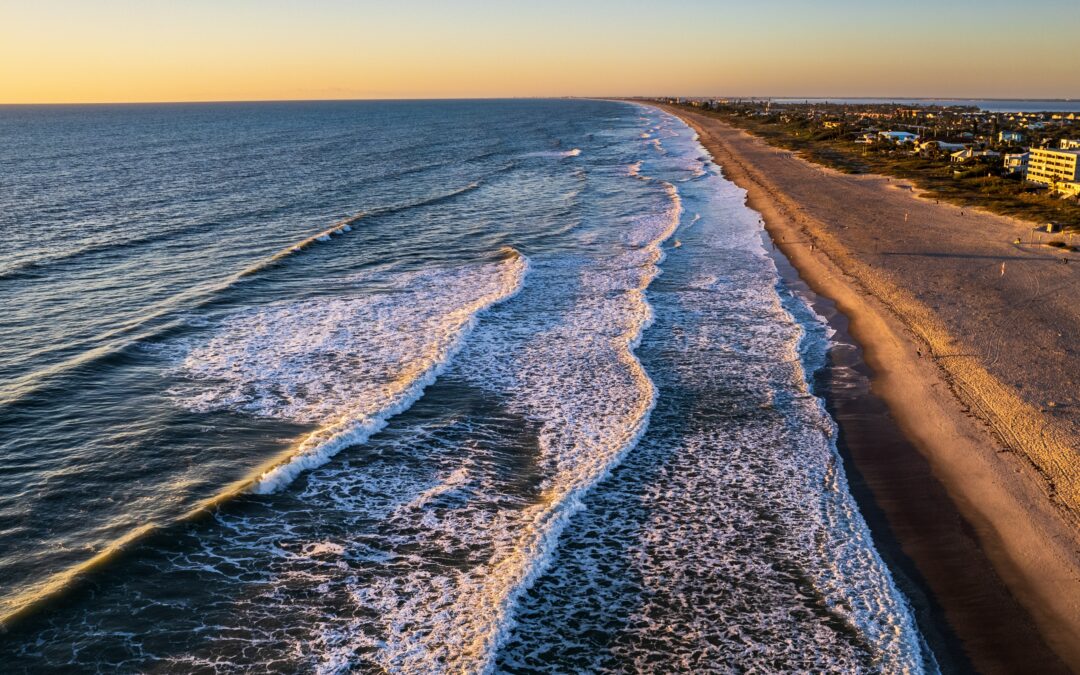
x: 77, y: 51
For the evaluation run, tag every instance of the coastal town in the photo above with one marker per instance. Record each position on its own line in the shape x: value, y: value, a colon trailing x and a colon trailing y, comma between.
x: 1023, y: 164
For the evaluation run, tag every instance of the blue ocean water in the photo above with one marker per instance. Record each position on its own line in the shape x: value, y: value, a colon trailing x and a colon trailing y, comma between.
x: 412, y: 387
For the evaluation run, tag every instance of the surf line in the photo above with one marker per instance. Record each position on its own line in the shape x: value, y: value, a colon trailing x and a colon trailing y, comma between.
x: 345, y: 225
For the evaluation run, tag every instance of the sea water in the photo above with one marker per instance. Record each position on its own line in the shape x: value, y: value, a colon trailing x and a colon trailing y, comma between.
x: 503, y: 386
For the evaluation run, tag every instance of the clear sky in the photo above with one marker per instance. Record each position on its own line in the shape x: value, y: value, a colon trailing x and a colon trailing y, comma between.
x: 197, y: 50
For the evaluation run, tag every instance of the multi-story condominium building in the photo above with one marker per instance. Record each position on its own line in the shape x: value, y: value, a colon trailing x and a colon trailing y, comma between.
x: 1047, y: 166
x: 1070, y: 144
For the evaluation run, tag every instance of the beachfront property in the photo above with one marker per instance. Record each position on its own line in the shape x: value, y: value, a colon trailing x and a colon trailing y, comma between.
x: 899, y: 136
x: 968, y: 154
x: 1016, y: 163
x: 1010, y: 137
x: 942, y: 146
x: 1050, y: 167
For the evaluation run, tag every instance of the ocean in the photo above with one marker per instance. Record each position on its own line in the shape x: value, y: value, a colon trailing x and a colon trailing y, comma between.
x: 414, y: 387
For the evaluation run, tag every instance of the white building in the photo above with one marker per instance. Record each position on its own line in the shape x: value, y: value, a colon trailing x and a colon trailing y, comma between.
x: 899, y: 136
x: 941, y: 145
x: 1016, y: 162
x: 1010, y: 137
x: 1070, y: 144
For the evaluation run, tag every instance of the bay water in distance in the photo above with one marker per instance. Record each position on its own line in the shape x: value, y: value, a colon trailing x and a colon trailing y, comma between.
x: 500, y: 386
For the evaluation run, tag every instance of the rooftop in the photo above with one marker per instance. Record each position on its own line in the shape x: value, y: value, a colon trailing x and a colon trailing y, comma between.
x: 1058, y: 151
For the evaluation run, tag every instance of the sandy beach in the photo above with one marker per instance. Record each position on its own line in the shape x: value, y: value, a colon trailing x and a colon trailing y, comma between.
x: 970, y: 340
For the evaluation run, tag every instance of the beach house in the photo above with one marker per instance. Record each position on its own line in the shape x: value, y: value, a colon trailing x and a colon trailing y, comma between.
x: 969, y: 154
x: 899, y: 136
x: 1070, y: 144
x: 940, y: 145
x: 1016, y: 163
x: 1010, y: 137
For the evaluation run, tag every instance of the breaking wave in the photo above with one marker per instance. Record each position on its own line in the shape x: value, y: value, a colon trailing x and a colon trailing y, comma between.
x: 346, y: 364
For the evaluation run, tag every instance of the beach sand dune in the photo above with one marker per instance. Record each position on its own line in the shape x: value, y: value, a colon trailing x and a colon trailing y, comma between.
x: 975, y: 344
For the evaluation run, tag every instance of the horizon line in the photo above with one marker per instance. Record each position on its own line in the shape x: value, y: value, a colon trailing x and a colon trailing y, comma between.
x: 535, y: 98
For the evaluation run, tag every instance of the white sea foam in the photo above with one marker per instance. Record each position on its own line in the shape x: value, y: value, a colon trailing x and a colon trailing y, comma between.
x: 347, y: 364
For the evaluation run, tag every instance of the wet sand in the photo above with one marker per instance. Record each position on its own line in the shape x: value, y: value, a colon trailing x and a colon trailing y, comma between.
x: 911, y: 517
x: 967, y: 472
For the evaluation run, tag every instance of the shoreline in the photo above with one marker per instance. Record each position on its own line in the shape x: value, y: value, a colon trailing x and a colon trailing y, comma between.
x: 962, y: 515
x: 903, y: 503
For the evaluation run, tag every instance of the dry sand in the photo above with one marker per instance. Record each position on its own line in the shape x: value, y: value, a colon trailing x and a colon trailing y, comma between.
x: 975, y: 347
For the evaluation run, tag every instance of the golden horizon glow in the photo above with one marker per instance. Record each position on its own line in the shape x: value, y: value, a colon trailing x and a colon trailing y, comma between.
x: 63, y: 51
